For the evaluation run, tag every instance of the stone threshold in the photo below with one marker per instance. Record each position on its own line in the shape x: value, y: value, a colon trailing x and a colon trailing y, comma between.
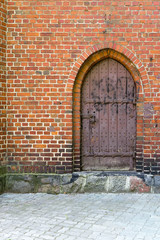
x: 83, y: 182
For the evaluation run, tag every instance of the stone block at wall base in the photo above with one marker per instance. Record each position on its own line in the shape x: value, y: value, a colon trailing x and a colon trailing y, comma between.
x: 83, y: 182
x: 2, y: 179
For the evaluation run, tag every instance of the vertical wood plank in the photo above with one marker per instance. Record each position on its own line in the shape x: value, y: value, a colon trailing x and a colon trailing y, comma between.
x: 122, y: 93
x: 104, y: 113
x: 85, y: 112
x: 113, y: 108
x: 94, y: 110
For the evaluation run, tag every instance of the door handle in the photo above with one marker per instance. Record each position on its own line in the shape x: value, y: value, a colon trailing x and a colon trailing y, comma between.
x: 92, y: 118
x: 87, y: 116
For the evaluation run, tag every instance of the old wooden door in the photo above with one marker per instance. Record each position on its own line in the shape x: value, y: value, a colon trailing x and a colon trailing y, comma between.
x: 108, y: 118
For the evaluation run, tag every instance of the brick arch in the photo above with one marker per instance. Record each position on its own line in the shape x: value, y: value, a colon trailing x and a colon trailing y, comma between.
x: 86, y: 61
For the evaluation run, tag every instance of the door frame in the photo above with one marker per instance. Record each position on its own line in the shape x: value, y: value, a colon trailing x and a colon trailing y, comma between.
x: 80, y: 76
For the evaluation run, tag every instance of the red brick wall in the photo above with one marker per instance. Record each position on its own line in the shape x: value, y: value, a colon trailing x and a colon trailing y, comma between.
x: 45, y: 40
x: 2, y: 81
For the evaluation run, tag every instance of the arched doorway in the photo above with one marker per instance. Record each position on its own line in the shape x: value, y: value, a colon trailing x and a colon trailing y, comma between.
x: 108, y: 118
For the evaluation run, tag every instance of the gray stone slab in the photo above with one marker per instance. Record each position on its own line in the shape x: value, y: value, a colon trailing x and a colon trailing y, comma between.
x: 81, y: 182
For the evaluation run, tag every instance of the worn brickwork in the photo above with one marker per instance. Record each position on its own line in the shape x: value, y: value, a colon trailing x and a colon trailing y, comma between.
x: 3, y: 13
x: 47, y: 44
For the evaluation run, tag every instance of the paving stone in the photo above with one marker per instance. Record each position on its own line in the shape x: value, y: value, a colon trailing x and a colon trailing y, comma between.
x: 80, y: 216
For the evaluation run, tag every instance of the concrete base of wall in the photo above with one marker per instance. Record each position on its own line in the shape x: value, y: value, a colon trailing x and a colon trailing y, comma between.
x: 83, y: 182
x: 2, y: 179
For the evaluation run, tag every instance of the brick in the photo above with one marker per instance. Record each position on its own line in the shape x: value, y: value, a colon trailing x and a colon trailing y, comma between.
x: 46, y: 48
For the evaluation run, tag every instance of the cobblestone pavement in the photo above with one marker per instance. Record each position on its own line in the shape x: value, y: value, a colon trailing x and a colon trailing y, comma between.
x: 79, y: 217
